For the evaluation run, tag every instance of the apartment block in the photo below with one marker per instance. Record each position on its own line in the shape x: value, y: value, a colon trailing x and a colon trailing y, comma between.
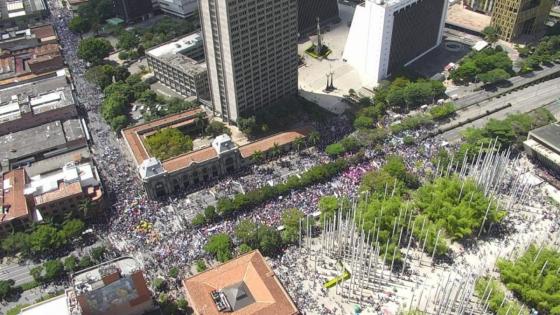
x: 179, y: 8
x: 251, y: 53
x: 180, y: 65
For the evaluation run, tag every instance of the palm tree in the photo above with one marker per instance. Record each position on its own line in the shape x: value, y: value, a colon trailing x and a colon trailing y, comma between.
x: 314, y: 137
x: 275, y: 151
x: 257, y: 156
x: 298, y: 143
x: 199, y: 121
x: 85, y: 207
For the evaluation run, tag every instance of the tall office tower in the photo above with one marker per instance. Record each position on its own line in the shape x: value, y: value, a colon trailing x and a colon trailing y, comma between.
x: 251, y: 53
x: 388, y: 35
x: 515, y: 18
x: 484, y: 6
x: 133, y: 10
x: 179, y: 8
x: 310, y: 10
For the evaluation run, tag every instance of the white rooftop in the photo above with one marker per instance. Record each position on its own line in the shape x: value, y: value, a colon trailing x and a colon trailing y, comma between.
x: 70, y: 173
x: 57, y: 305
x: 177, y: 46
x: 150, y: 167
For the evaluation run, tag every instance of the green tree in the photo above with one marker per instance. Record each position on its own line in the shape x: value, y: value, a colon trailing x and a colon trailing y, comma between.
x: 200, y: 265
x: 257, y: 156
x: 220, y: 246
x: 314, y: 137
x: 363, y: 122
x: 100, y: 75
x: 216, y: 128
x: 45, y: 238
x: 168, y: 143
x: 15, y: 243
x: 6, y: 288
x: 94, y: 50
x: 79, y: 25
x: 335, y: 149
x: 36, y: 273
x: 121, y: 74
x: 128, y: 40
x: 85, y: 262
x: 298, y: 143
x: 72, y: 229
x: 54, y: 269
x: 198, y: 220
x: 173, y: 272
x: 290, y: 220
x: 244, y: 248
x: 210, y: 214
x: 70, y: 263
x: 270, y: 241
x: 246, y: 232
x: 97, y: 253
x: 490, y: 34
x: 494, y: 76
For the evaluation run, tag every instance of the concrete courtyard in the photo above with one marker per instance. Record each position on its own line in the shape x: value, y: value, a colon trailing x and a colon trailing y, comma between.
x: 313, y: 75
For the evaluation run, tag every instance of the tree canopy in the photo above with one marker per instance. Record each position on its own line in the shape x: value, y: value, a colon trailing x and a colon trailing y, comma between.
x: 534, y: 278
x: 482, y: 65
x: 94, y: 50
x: 168, y: 143
x: 220, y: 245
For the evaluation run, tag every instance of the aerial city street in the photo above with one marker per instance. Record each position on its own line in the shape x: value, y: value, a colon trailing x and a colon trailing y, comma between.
x: 279, y: 157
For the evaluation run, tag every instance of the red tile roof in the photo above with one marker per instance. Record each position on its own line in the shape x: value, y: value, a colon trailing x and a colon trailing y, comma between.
x: 133, y: 135
x: 12, y: 197
x: 266, y: 144
x: 269, y: 294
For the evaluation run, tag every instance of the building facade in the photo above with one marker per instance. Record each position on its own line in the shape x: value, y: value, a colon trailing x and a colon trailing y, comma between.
x: 388, y: 35
x: 133, y: 10
x: 251, y: 53
x: 516, y: 18
x: 22, y: 12
x: 179, y: 8
x: 543, y: 145
x: 179, y: 64
x: 310, y: 10
x: 191, y: 170
x: 483, y: 6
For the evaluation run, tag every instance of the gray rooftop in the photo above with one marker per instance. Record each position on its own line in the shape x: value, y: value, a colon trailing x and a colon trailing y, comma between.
x: 43, y: 96
x: 549, y: 134
x: 183, y: 63
x: 18, y: 8
x: 39, y: 139
x: 238, y: 296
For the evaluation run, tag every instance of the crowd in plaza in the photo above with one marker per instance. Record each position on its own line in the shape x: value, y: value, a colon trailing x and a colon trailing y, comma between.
x: 159, y: 232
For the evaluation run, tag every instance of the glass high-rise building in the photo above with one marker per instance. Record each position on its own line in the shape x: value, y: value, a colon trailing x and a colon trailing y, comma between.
x: 251, y: 53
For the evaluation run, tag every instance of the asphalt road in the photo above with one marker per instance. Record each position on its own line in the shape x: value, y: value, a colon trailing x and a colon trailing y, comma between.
x: 517, y: 81
x: 19, y: 273
x: 522, y: 101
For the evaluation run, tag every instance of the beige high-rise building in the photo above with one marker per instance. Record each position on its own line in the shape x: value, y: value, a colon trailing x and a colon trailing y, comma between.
x: 251, y: 53
x: 515, y: 18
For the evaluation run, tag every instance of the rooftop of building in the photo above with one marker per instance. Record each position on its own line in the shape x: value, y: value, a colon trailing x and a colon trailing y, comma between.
x: 10, y: 9
x: 57, y: 305
x: 267, y: 143
x: 550, y: 134
x: 134, y: 135
x: 38, y: 34
x: 177, y: 46
x: 245, y: 285
x: 105, y: 288
x: 458, y: 15
x: 38, y: 96
x: 12, y: 198
x: 72, y: 180
x: 40, y: 139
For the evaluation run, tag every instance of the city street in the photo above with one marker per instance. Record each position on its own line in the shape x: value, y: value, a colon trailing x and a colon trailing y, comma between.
x: 521, y: 101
